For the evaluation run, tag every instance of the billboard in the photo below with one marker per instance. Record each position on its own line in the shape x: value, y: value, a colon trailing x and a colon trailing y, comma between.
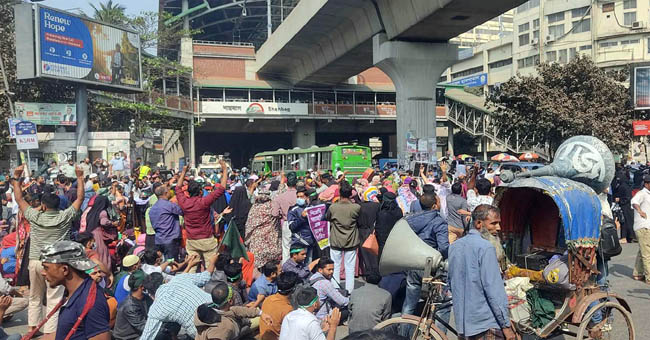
x: 471, y: 81
x: 255, y: 108
x: 47, y: 113
x: 641, y: 87
x: 641, y: 127
x: 65, y: 46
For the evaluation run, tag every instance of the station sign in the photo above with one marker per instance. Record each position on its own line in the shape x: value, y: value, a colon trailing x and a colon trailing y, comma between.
x: 471, y: 81
x: 255, y: 108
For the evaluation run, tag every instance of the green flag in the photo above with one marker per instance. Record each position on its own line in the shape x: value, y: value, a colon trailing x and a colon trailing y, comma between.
x: 233, y: 241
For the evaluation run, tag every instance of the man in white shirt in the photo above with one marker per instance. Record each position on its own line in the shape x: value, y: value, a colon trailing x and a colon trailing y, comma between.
x: 302, y: 324
x: 478, y: 192
x: 641, y: 204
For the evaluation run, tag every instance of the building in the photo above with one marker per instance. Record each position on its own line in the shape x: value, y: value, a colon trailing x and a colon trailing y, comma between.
x: 490, y: 30
x: 613, y: 34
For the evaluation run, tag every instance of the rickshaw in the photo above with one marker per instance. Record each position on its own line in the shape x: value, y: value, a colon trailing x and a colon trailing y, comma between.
x: 547, y: 215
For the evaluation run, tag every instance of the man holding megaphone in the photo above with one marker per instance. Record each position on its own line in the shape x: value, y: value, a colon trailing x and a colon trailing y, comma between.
x: 479, y: 297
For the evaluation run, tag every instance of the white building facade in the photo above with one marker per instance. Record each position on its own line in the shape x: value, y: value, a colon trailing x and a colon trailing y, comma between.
x: 614, y: 34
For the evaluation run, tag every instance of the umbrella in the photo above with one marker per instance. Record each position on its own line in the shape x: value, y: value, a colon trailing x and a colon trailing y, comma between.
x: 504, y: 157
x: 527, y: 156
x: 464, y: 156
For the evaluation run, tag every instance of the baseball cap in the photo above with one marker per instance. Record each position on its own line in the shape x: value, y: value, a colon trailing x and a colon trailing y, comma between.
x: 67, y: 252
x: 93, y: 175
x: 253, y: 177
x: 130, y: 260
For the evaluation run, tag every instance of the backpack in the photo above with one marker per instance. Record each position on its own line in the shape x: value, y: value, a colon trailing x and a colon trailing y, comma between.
x: 609, y: 244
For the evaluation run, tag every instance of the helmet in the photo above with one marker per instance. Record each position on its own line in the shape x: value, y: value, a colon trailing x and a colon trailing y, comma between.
x: 244, y: 170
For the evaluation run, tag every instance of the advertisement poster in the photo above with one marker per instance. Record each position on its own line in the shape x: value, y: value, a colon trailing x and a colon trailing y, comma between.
x: 26, y: 137
x: 319, y: 228
x: 641, y: 127
x: 80, y: 49
x: 255, y: 108
x: 48, y: 113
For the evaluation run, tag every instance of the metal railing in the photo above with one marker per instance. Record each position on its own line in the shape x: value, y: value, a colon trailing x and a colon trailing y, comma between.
x: 479, y: 123
x: 224, y: 43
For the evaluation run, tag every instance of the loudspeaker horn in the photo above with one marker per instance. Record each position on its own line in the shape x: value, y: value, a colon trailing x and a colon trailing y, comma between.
x: 404, y: 250
x: 584, y: 159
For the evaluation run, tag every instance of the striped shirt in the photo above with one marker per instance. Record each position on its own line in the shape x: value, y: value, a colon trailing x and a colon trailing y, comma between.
x: 47, y: 227
x: 177, y: 302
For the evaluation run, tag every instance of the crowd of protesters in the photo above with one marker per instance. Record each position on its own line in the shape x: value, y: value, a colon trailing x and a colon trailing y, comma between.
x: 96, y: 251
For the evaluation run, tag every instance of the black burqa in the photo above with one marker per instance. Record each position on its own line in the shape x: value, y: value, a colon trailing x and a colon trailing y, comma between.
x: 92, y: 218
x: 241, y: 205
x: 366, y: 222
x: 389, y: 213
x: 621, y: 190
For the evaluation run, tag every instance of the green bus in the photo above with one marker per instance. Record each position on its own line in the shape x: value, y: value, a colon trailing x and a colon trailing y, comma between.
x: 352, y: 158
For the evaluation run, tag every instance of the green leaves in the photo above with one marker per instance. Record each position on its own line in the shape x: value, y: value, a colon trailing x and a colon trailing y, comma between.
x: 566, y: 100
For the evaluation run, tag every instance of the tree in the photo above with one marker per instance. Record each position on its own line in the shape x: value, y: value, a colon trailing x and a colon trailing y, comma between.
x: 110, y: 13
x: 561, y: 101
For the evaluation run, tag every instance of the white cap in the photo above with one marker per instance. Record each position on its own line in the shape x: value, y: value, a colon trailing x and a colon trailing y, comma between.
x: 92, y: 175
x: 253, y: 177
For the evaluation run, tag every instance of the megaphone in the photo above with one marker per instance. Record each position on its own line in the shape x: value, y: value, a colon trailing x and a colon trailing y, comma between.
x: 404, y: 250
x: 583, y: 159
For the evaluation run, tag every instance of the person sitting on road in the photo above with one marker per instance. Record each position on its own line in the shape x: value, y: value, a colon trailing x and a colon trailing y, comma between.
x: 278, y: 306
x: 328, y: 296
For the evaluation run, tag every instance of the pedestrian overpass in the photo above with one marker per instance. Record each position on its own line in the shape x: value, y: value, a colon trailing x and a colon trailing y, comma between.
x: 470, y: 113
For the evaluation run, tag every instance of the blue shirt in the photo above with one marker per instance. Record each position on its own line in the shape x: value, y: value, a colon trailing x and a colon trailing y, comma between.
x: 262, y: 286
x: 117, y: 164
x: 120, y: 292
x: 164, y: 220
x: 10, y: 254
x: 95, y: 322
x: 479, y: 297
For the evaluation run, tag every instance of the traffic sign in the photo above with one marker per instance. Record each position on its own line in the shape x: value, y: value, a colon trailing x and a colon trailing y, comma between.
x: 26, y: 137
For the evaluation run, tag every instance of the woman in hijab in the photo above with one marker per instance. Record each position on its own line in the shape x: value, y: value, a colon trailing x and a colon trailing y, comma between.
x: 389, y: 213
x: 241, y: 205
x: 95, y: 220
x: 366, y: 222
x: 263, y: 230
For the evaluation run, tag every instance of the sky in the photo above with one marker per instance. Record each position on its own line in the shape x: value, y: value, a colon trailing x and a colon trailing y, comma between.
x: 132, y: 6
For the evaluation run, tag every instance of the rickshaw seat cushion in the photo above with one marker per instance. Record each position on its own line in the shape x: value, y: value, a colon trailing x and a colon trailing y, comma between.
x: 521, y: 206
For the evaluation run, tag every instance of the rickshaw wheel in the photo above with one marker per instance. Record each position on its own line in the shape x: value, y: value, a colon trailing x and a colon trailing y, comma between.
x: 612, y: 330
x: 394, y: 323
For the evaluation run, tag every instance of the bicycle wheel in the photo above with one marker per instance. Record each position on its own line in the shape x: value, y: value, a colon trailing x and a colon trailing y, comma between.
x: 617, y: 323
x: 428, y: 329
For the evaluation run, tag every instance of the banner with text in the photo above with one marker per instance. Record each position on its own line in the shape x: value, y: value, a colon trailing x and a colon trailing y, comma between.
x: 255, y: 108
x: 318, y: 227
x: 48, y: 113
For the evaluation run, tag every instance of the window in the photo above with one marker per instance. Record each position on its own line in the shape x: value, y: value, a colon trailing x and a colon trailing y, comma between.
x: 500, y: 63
x: 528, y: 61
x: 527, y: 5
x: 555, y: 17
x: 608, y: 44
x: 556, y: 30
x: 536, y: 23
x: 579, y: 12
x: 587, y: 47
x: 536, y: 34
x: 562, y: 56
x: 629, y: 4
x: 582, y: 26
x: 551, y: 55
x: 630, y: 42
x: 524, y: 27
x: 524, y: 39
x: 573, y: 53
x: 468, y: 72
x: 608, y: 7
x: 629, y: 18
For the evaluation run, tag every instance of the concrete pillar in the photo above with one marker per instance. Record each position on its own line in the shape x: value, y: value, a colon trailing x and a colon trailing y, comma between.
x: 484, y: 142
x: 415, y: 69
x: 187, y: 53
x: 450, y: 138
x: 304, y: 134
x: 81, y: 100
